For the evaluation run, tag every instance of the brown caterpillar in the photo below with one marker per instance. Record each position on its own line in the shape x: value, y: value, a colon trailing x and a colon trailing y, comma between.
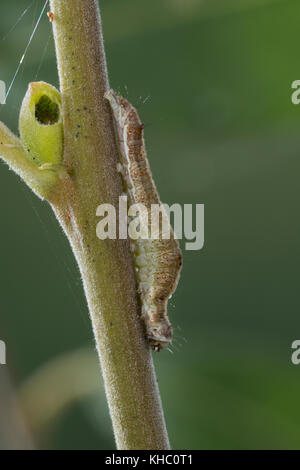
x: 158, y: 261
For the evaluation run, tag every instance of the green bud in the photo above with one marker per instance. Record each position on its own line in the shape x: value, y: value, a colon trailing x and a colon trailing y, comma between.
x: 40, y: 124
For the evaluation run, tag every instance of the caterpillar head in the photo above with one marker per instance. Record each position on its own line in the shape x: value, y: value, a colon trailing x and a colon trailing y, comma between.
x: 159, y: 334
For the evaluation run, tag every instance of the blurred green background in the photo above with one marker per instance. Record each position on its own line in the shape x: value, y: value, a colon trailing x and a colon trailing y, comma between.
x: 221, y: 130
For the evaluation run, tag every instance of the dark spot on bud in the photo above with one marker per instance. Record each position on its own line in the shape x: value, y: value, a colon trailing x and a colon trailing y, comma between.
x: 46, y: 111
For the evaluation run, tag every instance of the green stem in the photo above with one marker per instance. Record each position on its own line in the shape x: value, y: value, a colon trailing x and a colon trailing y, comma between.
x: 42, y: 182
x: 90, y: 156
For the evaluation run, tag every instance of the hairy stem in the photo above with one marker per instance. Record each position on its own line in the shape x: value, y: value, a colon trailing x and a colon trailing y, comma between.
x: 90, y: 156
x: 42, y: 182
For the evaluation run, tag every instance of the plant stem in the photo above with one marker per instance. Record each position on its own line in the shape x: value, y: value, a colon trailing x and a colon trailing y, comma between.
x: 106, y: 266
x: 42, y: 182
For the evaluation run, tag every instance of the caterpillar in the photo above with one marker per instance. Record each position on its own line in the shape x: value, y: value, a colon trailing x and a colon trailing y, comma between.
x: 158, y: 261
